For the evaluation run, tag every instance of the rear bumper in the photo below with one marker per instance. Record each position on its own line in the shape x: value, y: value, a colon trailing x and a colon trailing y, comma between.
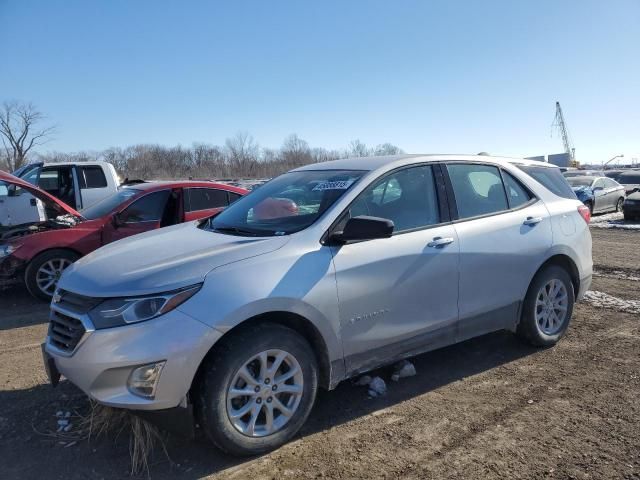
x: 585, y: 284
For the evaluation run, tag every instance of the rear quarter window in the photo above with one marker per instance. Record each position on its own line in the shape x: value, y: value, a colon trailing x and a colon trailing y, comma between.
x: 551, y: 178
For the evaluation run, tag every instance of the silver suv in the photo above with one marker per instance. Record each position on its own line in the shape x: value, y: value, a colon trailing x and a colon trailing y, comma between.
x: 325, y: 272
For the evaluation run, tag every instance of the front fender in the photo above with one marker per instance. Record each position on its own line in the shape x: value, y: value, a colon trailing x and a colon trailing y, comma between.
x: 298, y: 282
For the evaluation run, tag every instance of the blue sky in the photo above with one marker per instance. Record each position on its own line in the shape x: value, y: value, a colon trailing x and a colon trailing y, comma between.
x: 428, y: 76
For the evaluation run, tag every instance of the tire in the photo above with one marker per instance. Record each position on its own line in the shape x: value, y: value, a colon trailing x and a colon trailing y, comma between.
x: 221, y: 371
x: 630, y: 218
x: 533, y: 331
x: 50, y: 260
x: 590, y: 206
x: 619, y: 204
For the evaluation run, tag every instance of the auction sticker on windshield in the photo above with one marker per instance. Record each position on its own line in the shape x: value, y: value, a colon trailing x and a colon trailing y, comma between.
x: 337, y: 185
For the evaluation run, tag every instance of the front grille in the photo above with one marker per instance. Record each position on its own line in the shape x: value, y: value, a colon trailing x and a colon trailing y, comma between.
x: 76, y: 303
x: 64, y: 331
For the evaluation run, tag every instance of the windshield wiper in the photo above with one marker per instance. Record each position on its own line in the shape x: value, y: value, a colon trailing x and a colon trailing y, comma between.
x: 241, y: 231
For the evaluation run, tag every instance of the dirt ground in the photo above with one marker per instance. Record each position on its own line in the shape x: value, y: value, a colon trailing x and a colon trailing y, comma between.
x: 487, y: 408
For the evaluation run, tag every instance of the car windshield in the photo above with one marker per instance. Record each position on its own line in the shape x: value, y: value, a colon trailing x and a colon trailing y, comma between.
x: 580, y: 181
x: 107, y: 205
x: 286, y: 204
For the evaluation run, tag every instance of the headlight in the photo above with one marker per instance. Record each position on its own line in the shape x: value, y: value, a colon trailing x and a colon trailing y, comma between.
x: 6, y: 250
x: 116, y: 312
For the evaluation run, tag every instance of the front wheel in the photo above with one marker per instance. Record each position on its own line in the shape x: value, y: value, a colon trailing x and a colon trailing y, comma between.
x: 547, y: 308
x: 43, y: 272
x: 257, y: 389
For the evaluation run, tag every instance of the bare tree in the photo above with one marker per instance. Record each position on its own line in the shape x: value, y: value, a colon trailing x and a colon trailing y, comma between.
x: 358, y: 149
x: 387, y: 149
x: 19, y: 132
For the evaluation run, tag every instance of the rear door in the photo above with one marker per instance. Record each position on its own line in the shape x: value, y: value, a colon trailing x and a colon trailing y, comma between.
x: 504, y: 232
x: 201, y: 202
x: 142, y: 215
x: 92, y: 183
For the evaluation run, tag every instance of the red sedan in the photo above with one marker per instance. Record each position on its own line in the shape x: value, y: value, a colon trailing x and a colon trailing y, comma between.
x: 38, y: 252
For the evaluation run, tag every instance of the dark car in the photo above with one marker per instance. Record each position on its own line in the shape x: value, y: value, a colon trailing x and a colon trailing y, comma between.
x: 630, y: 180
x: 631, y: 206
x: 600, y: 194
x: 614, y: 174
x: 38, y: 252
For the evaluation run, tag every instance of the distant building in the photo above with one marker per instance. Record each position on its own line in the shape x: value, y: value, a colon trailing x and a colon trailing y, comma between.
x: 558, y: 159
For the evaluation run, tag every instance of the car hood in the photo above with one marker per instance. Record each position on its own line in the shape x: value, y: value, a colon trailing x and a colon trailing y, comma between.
x: 40, y: 194
x: 160, y: 261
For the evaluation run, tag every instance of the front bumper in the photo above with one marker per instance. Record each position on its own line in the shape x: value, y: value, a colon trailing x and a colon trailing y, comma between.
x: 11, y: 270
x: 631, y: 208
x: 103, y: 360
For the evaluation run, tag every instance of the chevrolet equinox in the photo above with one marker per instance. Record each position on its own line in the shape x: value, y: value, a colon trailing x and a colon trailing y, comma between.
x: 320, y: 274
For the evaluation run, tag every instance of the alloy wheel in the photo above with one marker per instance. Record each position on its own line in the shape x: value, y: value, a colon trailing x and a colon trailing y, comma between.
x: 552, y: 303
x: 49, y: 274
x: 265, y: 393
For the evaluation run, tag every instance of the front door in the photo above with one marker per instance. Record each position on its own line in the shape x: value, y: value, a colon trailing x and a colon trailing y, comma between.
x: 398, y: 295
x: 142, y: 215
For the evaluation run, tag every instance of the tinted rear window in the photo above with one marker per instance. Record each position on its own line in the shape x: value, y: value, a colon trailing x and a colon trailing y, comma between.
x: 551, y: 178
x: 91, y: 177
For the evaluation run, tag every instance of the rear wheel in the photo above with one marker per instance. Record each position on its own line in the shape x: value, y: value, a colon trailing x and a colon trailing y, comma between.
x: 547, y: 308
x: 619, y: 204
x: 257, y: 389
x: 43, y: 272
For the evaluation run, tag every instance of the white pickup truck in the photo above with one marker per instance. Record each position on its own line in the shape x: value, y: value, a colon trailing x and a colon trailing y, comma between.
x: 78, y: 184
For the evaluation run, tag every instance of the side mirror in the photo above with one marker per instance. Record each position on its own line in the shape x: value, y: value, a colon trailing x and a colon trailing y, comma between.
x: 597, y: 189
x: 363, y: 228
x: 117, y: 220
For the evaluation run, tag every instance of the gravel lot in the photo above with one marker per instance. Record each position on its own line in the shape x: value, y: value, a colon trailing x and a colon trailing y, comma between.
x: 487, y: 408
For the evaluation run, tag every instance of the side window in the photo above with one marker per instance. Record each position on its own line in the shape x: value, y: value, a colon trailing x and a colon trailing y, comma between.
x: 4, y: 191
x: 517, y: 194
x: 598, y: 183
x: 205, y: 198
x: 146, y: 209
x: 608, y: 183
x: 407, y: 197
x: 49, y: 180
x: 478, y: 189
x: 233, y: 197
x: 91, y: 177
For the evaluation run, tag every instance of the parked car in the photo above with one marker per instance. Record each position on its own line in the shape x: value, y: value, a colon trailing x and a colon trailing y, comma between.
x: 600, y: 194
x: 37, y: 252
x: 630, y: 180
x: 79, y: 185
x: 241, y: 318
x: 614, y: 174
x: 583, y: 173
x: 631, y: 207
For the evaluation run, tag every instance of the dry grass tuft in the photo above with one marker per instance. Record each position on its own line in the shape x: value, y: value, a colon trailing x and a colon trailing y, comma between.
x: 99, y: 421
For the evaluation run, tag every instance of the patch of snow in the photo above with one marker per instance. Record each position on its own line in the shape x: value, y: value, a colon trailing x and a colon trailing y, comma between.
x: 604, y: 300
x: 613, y: 220
x: 377, y: 387
x: 403, y: 369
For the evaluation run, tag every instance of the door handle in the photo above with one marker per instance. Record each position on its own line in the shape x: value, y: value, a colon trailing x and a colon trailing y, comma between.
x: 532, y: 221
x: 440, y: 242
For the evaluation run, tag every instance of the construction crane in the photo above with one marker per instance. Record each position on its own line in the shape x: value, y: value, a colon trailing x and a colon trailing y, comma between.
x: 558, y: 122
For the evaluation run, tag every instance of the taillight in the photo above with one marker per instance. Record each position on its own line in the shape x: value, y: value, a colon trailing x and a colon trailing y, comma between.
x: 585, y: 213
